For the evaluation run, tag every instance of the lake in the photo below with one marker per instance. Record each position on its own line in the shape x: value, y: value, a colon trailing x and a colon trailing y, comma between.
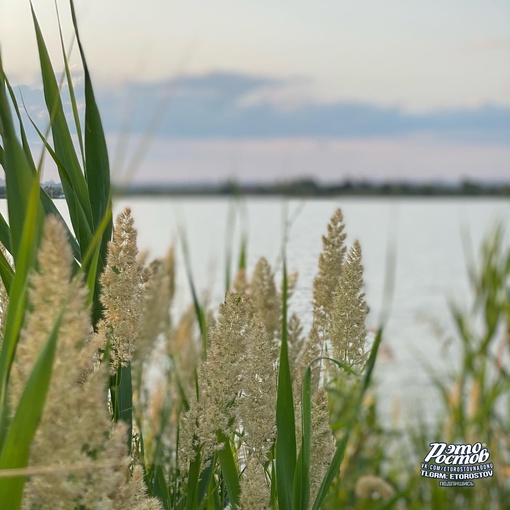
x: 425, y: 236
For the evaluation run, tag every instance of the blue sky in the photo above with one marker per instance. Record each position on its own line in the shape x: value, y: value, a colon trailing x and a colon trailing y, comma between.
x: 276, y: 89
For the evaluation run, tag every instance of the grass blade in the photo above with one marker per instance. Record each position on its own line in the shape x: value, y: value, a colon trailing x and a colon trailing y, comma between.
x: 18, y: 173
x: 229, y: 470
x: 122, y: 400
x: 78, y: 210
x: 159, y: 488
x: 302, y: 475
x: 5, y: 233
x: 205, y: 480
x: 285, y: 420
x: 70, y: 87
x: 29, y: 241
x: 199, y: 311
x: 73, y: 183
x: 47, y: 203
x: 193, y: 479
x: 6, y: 272
x: 97, y: 165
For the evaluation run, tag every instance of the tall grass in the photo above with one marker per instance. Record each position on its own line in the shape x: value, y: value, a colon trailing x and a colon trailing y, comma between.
x: 107, y: 401
x: 474, y: 408
x: 196, y: 439
x: 87, y: 192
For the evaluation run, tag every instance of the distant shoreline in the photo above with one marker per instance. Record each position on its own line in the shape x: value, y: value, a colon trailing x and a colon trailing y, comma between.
x: 312, y: 189
x: 305, y: 188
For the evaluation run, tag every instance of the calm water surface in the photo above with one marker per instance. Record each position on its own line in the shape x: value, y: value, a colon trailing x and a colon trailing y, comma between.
x: 424, y: 234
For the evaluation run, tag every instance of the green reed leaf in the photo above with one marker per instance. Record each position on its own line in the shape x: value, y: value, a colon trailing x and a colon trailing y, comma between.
x: 158, y: 487
x: 206, y: 480
x: 18, y: 173
x: 47, y: 203
x: 302, y: 475
x: 78, y: 212
x: 5, y: 233
x: 285, y: 420
x: 199, y: 311
x: 73, y: 181
x: 193, y: 480
x: 121, y: 390
x: 70, y: 87
x: 6, y: 272
x: 97, y: 165
x: 29, y: 240
x: 229, y: 470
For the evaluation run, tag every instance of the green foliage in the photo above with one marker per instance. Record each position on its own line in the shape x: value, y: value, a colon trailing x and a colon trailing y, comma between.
x: 27, y: 207
x: 285, y: 421
x: 302, y: 472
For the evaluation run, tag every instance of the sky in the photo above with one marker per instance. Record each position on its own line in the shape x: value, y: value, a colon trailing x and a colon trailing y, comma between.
x: 279, y: 90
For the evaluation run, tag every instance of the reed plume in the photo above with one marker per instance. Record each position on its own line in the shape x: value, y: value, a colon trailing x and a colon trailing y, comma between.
x: 255, y: 491
x: 220, y: 379
x: 348, y: 332
x: 75, y: 427
x: 121, y: 293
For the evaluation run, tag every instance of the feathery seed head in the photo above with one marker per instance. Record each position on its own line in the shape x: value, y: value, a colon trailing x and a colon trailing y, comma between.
x: 49, y: 291
x: 322, y: 441
x: 264, y: 297
x: 330, y: 266
x: 240, y: 284
x: 348, y: 332
x: 220, y: 378
x: 257, y: 407
x: 75, y: 427
x: 121, y: 292
x: 255, y: 492
x: 295, y: 340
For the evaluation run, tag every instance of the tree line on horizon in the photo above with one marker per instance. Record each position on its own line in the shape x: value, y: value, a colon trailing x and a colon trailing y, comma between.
x: 310, y: 187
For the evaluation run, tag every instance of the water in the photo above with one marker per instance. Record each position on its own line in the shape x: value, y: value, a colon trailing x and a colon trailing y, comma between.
x: 424, y: 234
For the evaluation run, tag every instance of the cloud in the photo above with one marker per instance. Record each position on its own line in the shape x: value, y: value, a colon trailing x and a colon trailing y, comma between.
x: 209, y: 131
x: 240, y: 106
x: 215, y: 106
